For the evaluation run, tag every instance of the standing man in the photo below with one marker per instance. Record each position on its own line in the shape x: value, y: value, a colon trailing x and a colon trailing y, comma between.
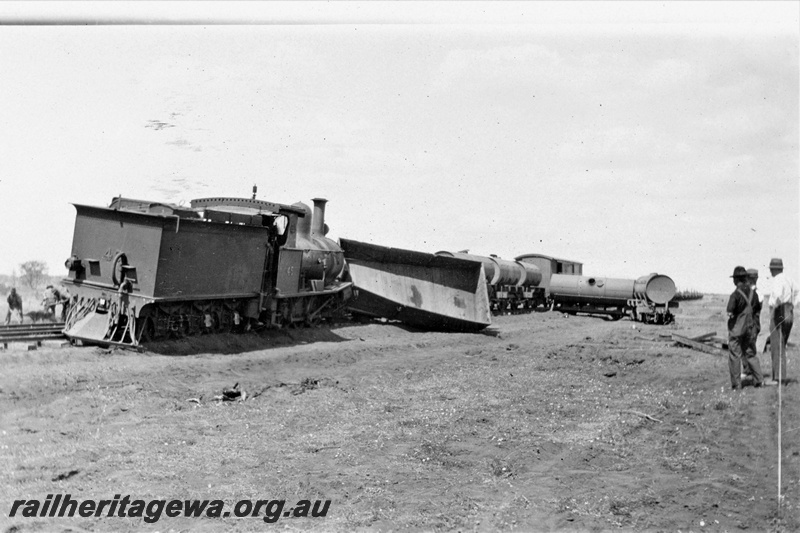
x: 782, y: 298
x: 752, y: 281
x: 741, y: 332
x: 51, y: 299
x: 65, y: 301
x: 14, y: 304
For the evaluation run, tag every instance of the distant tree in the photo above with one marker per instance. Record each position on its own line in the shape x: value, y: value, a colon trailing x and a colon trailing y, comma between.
x: 33, y: 272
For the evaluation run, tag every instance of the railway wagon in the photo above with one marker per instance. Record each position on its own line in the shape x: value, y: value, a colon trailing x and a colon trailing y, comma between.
x: 142, y: 270
x: 550, y: 265
x: 646, y: 299
x: 513, y: 286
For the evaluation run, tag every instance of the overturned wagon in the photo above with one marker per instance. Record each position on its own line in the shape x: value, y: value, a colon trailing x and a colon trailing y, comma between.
x: 143, y: 270
x: 423, y: 290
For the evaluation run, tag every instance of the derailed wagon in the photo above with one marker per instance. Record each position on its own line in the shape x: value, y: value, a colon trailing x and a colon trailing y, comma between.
x: 646, y: 299
x: 423, y: 290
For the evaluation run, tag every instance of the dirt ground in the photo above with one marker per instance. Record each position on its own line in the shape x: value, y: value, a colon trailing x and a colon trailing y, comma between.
x: 543, y: 422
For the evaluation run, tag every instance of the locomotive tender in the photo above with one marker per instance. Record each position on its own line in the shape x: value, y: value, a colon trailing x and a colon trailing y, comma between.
x: 142, y: 270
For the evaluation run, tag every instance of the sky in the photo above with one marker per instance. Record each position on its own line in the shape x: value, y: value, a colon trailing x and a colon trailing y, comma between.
x: 634, y: 137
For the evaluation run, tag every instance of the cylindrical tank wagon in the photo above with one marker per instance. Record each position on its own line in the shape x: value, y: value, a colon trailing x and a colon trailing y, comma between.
x: 513, y: 286
x: 647, y: 299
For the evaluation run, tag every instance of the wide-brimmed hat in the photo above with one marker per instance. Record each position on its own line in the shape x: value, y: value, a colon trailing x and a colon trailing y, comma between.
x: 752, y: 273
x: 776, y: 263
x: 739, y: 272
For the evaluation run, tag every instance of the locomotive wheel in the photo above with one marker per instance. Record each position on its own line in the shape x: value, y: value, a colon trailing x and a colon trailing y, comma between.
x: 312, y: 320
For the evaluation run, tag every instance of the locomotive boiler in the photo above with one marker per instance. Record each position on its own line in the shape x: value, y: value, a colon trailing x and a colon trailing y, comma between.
x: 142, y: 270
x: 646, y: 299
x: 513, y: 286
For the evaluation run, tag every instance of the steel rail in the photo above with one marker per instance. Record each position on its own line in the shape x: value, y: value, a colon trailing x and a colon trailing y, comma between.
x: 32, y: 326
x: 37, y: 335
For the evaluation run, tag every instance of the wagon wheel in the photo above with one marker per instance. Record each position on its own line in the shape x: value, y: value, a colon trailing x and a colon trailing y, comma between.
x: 216, y: 319
x: 185, y: 328
x: 313, y: 321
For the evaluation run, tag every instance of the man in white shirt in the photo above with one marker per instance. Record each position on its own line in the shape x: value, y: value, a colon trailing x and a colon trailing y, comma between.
x: 783, y: 296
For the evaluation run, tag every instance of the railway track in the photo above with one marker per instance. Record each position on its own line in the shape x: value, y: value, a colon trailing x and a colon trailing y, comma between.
x: 37, y: 332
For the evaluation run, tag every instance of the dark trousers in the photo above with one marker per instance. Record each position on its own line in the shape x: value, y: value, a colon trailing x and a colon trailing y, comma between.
x: 780, y: 327
x: 742, y: 352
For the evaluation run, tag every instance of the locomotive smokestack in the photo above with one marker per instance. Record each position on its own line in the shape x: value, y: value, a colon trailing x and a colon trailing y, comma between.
x: 318, y: 225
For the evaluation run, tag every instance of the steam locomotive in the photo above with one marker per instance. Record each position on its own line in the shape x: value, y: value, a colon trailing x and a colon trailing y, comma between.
x: 142, y: 271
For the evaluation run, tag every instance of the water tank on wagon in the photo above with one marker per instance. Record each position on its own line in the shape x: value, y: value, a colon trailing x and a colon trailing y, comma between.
x: 647, y: 298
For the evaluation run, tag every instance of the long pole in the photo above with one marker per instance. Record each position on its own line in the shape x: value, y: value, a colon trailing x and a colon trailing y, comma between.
x: 777, y: 328
x: 780, y: 403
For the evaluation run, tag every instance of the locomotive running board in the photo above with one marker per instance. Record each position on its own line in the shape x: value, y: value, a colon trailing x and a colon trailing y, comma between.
x: 423, y: 290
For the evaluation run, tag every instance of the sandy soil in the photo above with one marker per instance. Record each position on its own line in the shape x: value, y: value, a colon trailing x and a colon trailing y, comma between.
x: 543, y: 422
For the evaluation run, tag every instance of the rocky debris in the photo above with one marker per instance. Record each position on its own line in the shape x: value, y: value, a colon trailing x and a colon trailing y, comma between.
x: 66, y: 475
x: 232, y: 394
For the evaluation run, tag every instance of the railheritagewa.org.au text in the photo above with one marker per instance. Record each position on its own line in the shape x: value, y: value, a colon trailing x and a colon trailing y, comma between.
x: 151, y: 511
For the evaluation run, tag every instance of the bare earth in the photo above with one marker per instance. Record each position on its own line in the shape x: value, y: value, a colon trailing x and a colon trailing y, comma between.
x: 543, y: 422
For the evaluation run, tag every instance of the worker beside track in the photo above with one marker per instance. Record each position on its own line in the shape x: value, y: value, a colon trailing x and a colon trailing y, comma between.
x: 14, y: 304
x: 752, y: 281
x: 783, y: 296
x: 742, y: 308
x: 51, y: 299
x: 66, y: 299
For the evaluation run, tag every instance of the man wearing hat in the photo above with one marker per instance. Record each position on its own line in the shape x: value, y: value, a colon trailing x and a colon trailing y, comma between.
x: 782, y: 298
x: 51, y: 299
x: 752, y: 281
x: 742, y: 309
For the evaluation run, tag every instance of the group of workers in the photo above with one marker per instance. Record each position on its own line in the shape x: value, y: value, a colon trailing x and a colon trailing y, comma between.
x: 52, y: 298
x: 744, y: 324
